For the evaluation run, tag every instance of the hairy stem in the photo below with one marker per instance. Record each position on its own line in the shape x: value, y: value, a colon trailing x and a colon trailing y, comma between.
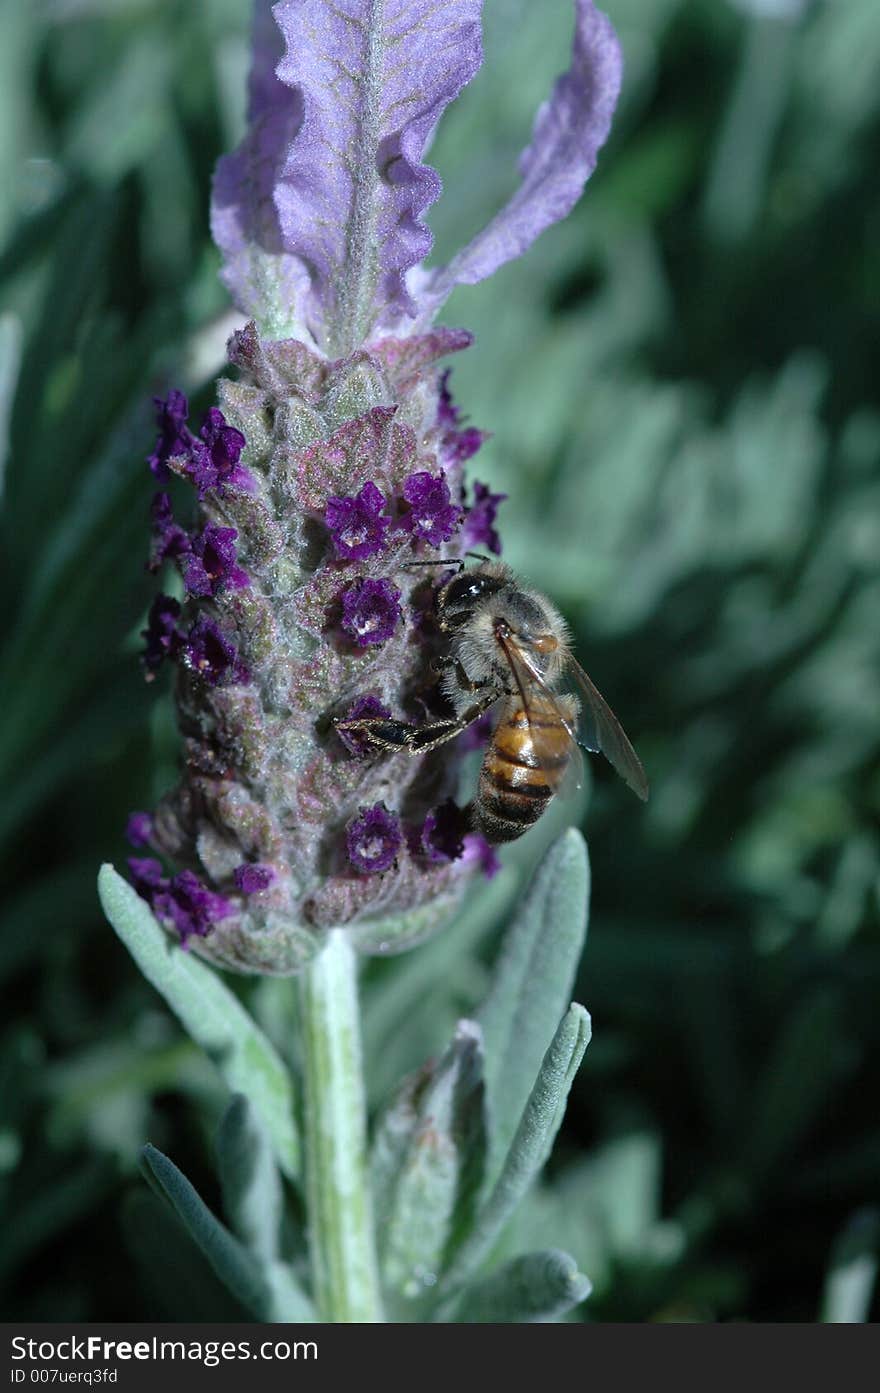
x: 340, y: 1221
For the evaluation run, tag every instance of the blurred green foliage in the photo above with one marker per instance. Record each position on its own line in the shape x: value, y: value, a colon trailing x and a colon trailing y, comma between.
x: 680, y: 381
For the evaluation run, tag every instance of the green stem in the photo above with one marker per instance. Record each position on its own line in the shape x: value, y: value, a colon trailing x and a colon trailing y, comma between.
x: 340, y: 1220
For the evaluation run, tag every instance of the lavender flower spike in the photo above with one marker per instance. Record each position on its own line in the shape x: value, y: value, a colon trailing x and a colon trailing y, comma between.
x: 331, y: 459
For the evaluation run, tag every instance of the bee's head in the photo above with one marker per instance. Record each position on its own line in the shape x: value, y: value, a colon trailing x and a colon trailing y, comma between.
x: 457, y: 599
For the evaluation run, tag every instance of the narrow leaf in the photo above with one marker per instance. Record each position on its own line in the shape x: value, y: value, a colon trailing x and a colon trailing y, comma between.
x: 269, y: 1291
x: 538, y: 1287
x: 533, y: 983
x: 849, y: 1285
x: 10, y: 361
x: 252, y: 1199
x: 214, y: 1018
x: 428, y: 1168
x: 530, y: 1146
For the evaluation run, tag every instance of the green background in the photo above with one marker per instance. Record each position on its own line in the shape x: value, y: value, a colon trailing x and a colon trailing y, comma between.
x: 681, y: 385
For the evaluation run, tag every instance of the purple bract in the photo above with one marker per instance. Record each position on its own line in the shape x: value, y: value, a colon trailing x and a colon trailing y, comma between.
x: 319, y: 213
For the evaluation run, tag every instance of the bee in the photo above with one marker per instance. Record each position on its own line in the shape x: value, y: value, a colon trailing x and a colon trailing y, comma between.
x: 507, y: 646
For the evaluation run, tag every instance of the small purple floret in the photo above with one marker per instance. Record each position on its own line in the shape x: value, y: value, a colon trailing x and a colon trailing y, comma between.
x: 190, y: 906
x: 183, y: 901
x: 432, y: 515
x: 252, y: 877
x: 374, y: 839
x: 357, y: 526
x: 442, y: 833
x: 208, y: 652
x: 170, y: 540
x: 147, y: 877
x: 214, y: 457
x: 174, y: 438
x: 479, y: 522
x: 370, y: 611
x: 211, y: 564
x: 477, y: 851
x: 354, y: 740
x: 457, y: 445
x: 139, y: 829
x: 162, y: 635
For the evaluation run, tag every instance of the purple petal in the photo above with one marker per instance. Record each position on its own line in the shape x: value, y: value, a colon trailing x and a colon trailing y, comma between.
x: 252, y: 877
x: 262, y: 274
x: 569, y: 131
x: 374, y: 839
x: 139, y: 829
x: 370, y: 611
x: 335, y: 143
x: 432, y: 516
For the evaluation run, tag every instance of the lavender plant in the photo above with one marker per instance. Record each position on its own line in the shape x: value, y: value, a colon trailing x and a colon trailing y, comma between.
x: 334, y: 460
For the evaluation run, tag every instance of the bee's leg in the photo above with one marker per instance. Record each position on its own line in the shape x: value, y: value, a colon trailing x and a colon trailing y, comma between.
x: 457, y: 566
x: 387, y: 733
x: 441, y: 662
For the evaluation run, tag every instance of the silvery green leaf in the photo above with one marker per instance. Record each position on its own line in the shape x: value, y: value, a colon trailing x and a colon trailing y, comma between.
x: 530, y: 1147
x: 214, y: 1018
x: 428, y: 1169
x: 266, y: 1290
x: 10, y: 361
x: 533, y: 983
x: 249, y: 1178
x: 532, y: 1288
x: 849, y: 1285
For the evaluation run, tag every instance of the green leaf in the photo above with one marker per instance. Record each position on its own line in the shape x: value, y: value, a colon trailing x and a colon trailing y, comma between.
x: 532, y: 1288
x: 256, y: 1285
x: 214, y: 1018
x: 532, y: 984
x: 10, y: 361
x: 531, y: 1144
x: 428, y: 1164
x: 252, y: 1198
x: 849, y: 1286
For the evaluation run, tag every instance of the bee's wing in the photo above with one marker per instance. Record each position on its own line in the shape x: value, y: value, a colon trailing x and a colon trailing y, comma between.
x: 545, y: 737
x: 601, y: 730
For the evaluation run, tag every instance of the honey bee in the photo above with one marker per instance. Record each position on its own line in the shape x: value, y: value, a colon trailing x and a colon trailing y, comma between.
x: 507, y: 646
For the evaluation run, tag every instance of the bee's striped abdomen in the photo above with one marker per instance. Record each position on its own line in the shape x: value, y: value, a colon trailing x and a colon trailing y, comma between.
x: 522, y: 769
